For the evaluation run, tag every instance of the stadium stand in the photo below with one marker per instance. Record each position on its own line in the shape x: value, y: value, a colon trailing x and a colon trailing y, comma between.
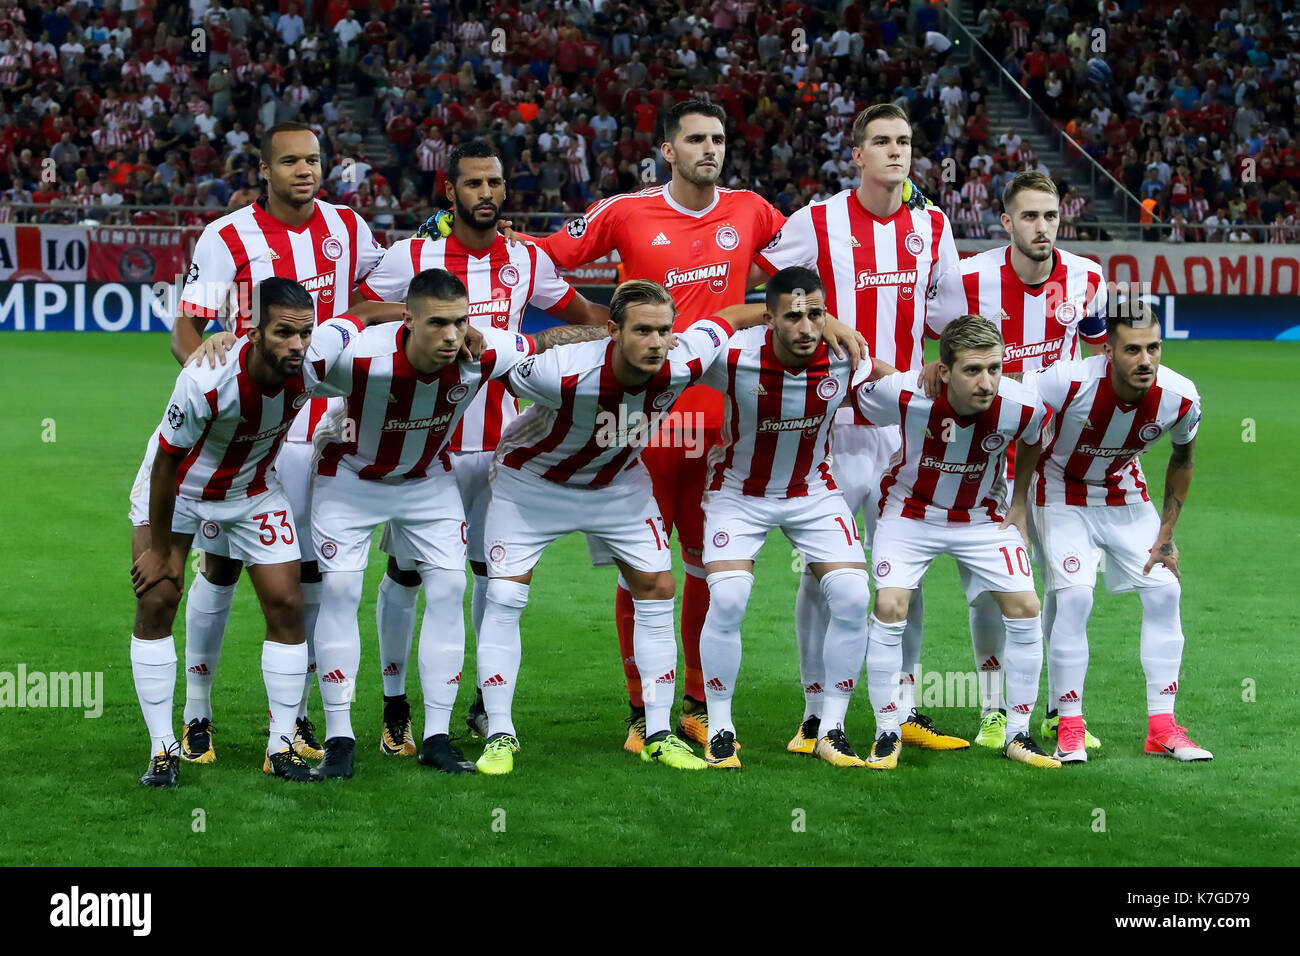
x: 161, y: 103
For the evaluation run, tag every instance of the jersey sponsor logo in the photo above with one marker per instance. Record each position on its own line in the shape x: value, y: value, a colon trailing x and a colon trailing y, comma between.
x: 727, y: 238
x: 1051, y: 350
x: 715, y: 274
x: 1097, y: 451
x: 576, y: 228
x: 914, y: 243
x: 1066, y: 313
x: 489, y: 306
x: 266, y: 433
x: 663, y: 400
x: 812, y: 423
x: 1070, y: 564
x: 300, y: 400
x: 509, y: 275
x: 1150, y: 431
x: 853, y: 243
x: 720, y: 539
x: 882, y: 569
x: 994, y: 442
x: 828, y: 388
x: 661, y: 240
x: 416, y: 424
x: 457, y: 393
x: 175, y: 416
x: 321, y: 286
x: 332, y: 248
x: 497, y: 553
x: 906, y: 279
x: 758, y: 390
x: 972, y: 469
x: 328, y: 549
x: 211, y: 529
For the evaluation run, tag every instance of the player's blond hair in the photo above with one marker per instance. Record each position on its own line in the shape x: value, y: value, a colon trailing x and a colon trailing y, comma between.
x: 638, y: 292
x: 969, y: 333
x: 873, y: 113
x: 1029, y: 179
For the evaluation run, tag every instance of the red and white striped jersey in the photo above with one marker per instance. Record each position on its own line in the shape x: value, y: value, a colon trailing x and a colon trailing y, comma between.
x: 1039, y: 324
x: 229, y: 428
x: 777, y: 420
x: 950, y: 469
x: 1093, y: 444
x: 586, y: 427
x: 502, y: 280
x: 892, y: 279
x: 397, y: 421
x: 1071, y: 210
x: 969, y: 222
x: 327, y: 255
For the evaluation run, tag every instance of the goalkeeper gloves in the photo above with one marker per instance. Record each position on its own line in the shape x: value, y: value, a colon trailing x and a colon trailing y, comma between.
x: 437, y: 226
x: 913, y: 198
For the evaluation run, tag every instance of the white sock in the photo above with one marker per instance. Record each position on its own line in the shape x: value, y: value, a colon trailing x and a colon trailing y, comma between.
x: 338, y: 648
x: 310, y: 612
x: 911, y: 655
x: 395, y: 622
x: 810, y: 617
x: 153, y: 666
x: 207, y: 609
x: 442, y: 645
x: 720, y: 644
x: 1161, y: 645
x: 884, y: 659
x: 477, y: 602
x: 848, y: 596
x: 655, y: 646
x: 1023, y: 665
x: 282, y: 668
x: 987, y: 640
x: 499, y: 652
x: 1049, y: 621
x: 1067, y: 656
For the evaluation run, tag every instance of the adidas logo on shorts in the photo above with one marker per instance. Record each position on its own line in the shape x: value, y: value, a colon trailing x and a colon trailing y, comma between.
x: 668, y: 678
x: 391, y: 669
x: 496, y: 680
x: 334, y: 677
x: 1170, y: 690
x: 992, y: 664
x: 1069, y: 697
x: 845, y: 685
x: 715, y: 684
x: 1023, y: 708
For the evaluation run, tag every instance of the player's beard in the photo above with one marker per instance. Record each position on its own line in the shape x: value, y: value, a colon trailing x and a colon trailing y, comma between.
x: 698, y: 176
x: 1035, y: 253
x: 279, y: 366
x: 470, y: 218
x: 287, y: 196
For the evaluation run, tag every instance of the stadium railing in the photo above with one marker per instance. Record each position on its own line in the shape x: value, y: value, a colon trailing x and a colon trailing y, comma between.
x: 1102, y: 184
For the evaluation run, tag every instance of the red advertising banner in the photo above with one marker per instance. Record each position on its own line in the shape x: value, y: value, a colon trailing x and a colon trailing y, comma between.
x: 126, y: 254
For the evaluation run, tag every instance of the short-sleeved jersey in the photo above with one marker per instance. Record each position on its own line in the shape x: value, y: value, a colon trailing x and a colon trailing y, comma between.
x: 586, y: 427
x: 396, y: 422
x: 1094, y: 440
x: 776, y: 419
x: 327, y: 255
x: 950, y: 469
x: 1039, y: 324
x: 229, y: 428
x: 502, y: 280
x: 702, y: 257
x: 891, y: 279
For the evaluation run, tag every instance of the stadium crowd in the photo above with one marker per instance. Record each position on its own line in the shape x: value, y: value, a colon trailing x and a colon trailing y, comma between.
x: 162, y: 102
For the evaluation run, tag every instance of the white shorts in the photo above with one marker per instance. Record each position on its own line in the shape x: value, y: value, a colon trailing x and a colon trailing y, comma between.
x: 293, y: 468
x: 821, y: 526
x: 256, y: 530
x: 425, y: 521
x: 527, y: 513
x: 138, y: 512
x: 472, y: 469
x: 1072, y: 539
x: 860, y: 454
x: 993, y: 560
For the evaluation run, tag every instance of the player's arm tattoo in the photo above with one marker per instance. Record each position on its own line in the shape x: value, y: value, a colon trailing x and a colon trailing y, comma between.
x: 1178, y: 480
x: 567, y: 335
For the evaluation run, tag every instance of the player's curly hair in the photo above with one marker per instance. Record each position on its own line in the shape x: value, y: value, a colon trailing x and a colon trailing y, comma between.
x: 638, y: 292
x: 968, y: 333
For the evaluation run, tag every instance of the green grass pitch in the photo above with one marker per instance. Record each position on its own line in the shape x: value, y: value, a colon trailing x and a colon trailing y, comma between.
x: 70, y: 795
